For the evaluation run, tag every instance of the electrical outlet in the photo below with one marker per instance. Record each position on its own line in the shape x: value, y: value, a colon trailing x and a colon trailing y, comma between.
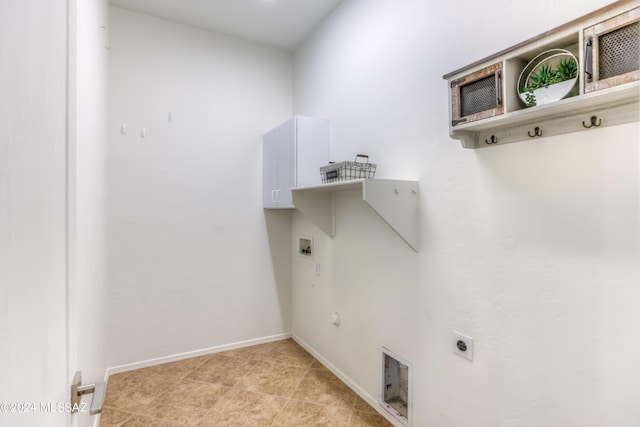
x: 462, y: 345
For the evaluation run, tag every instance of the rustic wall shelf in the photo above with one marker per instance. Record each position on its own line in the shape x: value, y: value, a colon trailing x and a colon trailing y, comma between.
x: 396, y: 202
x: 486, y: 109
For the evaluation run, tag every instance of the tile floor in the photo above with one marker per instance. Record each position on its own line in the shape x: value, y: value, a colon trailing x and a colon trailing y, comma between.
x: 276, y: 384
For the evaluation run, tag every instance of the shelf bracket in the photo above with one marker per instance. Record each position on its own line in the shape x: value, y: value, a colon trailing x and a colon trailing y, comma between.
x: 319, y: 206
x: 396, y: 202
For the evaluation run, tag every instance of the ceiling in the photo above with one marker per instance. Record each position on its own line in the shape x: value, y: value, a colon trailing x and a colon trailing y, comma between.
x: 281, y: 23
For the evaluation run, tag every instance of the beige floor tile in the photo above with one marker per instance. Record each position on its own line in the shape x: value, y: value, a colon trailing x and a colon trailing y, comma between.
x: 323, y: 387
x: 221, y: 369
x: 269, y: 385
x: 243, y: 408
x: 256, y: 352
x: 119, y: 378
x: 113, y: 418
x: 143, y: 421
x: 362, y: 405
x: 134, y: 390
x: 272, y: 378
x: 366, y: 419
x: 186, y: 402
x: 298, y: 413
x: 288, y: 352
x: 180, y: 368
x: 317, y: 365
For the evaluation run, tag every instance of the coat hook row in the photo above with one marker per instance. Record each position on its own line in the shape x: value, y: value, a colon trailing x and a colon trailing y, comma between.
x: 595, y: 122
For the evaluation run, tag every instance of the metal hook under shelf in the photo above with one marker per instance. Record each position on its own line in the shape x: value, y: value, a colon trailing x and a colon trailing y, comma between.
x: 595, y: 121
x: 494, y: 140
x: 536, y: 132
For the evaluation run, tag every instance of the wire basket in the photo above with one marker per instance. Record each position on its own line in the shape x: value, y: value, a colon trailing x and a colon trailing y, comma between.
x: 345, y: 171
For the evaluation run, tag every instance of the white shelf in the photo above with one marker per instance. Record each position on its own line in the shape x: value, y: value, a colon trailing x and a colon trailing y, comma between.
x: 396, y: 202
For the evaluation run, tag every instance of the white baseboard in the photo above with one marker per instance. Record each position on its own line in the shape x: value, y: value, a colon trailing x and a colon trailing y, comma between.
x: 203, y: 352
x: 375, y: 404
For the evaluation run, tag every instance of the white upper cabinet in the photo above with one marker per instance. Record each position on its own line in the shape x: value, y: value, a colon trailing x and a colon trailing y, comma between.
x: 292, y: 156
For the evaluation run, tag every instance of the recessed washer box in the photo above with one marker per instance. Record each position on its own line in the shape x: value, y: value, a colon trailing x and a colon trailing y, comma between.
x: 305, y: 247
x: 396, y: 393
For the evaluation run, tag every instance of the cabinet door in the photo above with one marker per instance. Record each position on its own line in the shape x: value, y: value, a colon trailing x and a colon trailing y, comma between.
x: 612, y: 52
x: 477, y: 96
x: 286, y: 163
x: 312, y: 150
x: 270, y: 169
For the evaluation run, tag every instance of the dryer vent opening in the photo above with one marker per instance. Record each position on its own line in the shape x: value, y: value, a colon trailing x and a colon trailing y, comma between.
x: 396, y: 386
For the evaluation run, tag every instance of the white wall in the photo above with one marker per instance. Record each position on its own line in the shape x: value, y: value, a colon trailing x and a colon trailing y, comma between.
x: 32, y: 209
x: 189, y: 263
x: 88, y: 102
x: 531, y: 248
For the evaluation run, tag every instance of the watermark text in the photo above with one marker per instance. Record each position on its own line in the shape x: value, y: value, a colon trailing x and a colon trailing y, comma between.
x: 49, y: 407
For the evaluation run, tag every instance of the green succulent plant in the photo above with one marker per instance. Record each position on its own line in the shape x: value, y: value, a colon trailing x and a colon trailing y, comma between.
x: 529, y: 98
x: 567, y: 70
x: 547, y: 76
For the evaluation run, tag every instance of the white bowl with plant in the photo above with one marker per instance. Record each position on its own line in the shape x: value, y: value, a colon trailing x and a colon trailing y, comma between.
x: 549, y: 77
